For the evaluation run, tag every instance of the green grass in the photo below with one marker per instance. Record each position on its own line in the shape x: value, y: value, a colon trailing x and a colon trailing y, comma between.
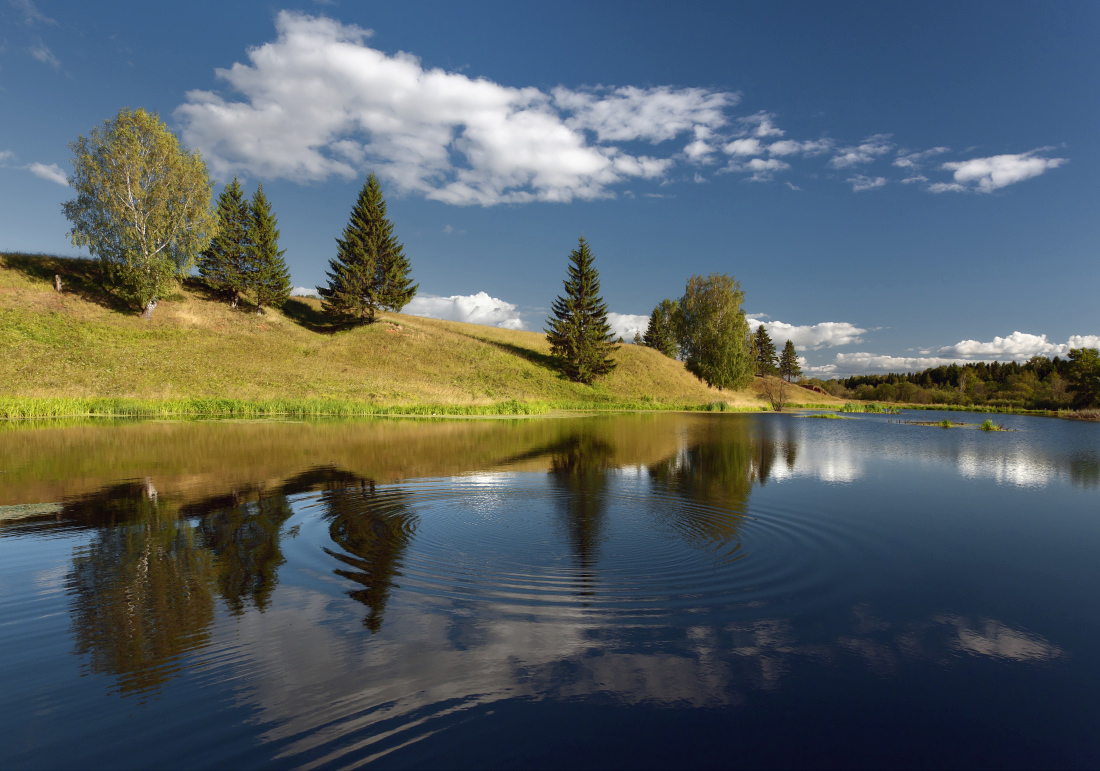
x: 871, y: 407
x: 84, y: 352
x: 830, y: 416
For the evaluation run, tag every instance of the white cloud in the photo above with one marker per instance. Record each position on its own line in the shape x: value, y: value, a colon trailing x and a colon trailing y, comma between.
x: 477, y: 308
x: 1018, y: 346
x: 319, y: 103
x: 870, y: 149
x: 651, y: 114
x: 304, y: 291
x: 748, y: 146
x: 763, y: 170
x: 761, y: 125
x: 625, y: 325
x: 42, y: 53
x: 51, y: 172
x: 913, y: 160
x: 5, y: 156
x: 792, y: 186
x: 914, y: 179
x: 863, y: 182
x: 826, y: 334
x: 988, y: 174
x: 794, y: 147
x: 863, y: 363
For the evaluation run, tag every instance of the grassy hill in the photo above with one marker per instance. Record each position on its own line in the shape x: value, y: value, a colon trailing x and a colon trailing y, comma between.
x: 83, y: 343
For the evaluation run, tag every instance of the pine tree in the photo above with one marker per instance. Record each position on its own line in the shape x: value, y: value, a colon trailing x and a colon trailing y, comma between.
x: 268, y: 273
x: 661, y: 332
x: 224, y: 264
x: 788, y: 363
x: 766, y: 360
x: 578, y: 332
x: 370, y: 270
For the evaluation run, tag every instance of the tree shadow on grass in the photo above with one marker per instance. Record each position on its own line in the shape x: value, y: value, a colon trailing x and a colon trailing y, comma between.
x: 79, y: 276
x: 314, y: 319
x: 543, y: 360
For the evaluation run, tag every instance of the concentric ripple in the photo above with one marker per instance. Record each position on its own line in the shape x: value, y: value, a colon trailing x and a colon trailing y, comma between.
x: 535, y: 544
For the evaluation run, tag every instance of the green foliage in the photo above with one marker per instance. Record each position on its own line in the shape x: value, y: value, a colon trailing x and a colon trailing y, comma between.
x: 989, y: 425
x: 873, y: 407
x: 224, y: 264
x: 767, y: 363
x: 1084, y: 377
x: 269, y: 276
x: 370, y: 270
x: 788, y: 363
x: 945, y: 423
x: 661, y: 332
x: 578, y: 332
x: 713, y: 333
x: 142, y: 204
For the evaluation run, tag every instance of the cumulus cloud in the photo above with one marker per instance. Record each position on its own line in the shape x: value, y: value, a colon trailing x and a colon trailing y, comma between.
x: 988, y: 174
x: 868, y: 150
x: 863, y: 182
x: 1018, y: 346
x: 304, y: 291
x: 318, y: 102
x: 625, y: 325
x: 826, y: 334
x: 763, y: 170
x: 5, y: 156
x: 51, y: 172
x: 477, y: 308
x: 746, y: 146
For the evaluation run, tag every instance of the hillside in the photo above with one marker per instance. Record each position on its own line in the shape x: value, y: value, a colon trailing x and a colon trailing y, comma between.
x: 83, y: 343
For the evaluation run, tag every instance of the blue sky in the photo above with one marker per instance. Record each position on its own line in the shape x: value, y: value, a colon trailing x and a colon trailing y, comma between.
x: 895, y: 185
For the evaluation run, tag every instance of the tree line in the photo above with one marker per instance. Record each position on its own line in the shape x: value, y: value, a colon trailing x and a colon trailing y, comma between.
x: 1040, y: 383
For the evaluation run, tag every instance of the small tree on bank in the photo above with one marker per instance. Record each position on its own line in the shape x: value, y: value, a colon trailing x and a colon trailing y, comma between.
x: 788, y: 363
x: 661, y: 332
x: 224, y: 264
x: 1084, y: 376
x: 713, y: 332
x: 766, y: 359
x: 370, y: 270
x: 142, y: 205
x: 578, y: 332
x: 269, y: 276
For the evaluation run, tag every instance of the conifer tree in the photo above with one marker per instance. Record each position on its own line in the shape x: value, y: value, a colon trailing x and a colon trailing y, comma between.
x: 661, y: 332
x: 579, y: 333
x: 370, y: 270
x: 268, y: 273
x: 766, y: 359
x: 224, y: 264
x: 788, y: 363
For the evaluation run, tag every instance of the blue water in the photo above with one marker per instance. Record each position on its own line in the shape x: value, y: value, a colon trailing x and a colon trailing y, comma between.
x: 642, y: 591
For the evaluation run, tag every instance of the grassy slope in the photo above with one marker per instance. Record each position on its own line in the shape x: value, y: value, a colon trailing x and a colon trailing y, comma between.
x: 83, y: 343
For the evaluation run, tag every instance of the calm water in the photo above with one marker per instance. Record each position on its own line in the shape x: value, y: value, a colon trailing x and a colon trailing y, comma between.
x: 633, y: 591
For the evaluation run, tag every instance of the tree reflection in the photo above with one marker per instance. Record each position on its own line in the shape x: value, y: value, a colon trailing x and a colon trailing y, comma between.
x: 141, y: 591
x: 578, y: 467
x: 715, y: 471
x: 374, y: 528
x: 243, y: 536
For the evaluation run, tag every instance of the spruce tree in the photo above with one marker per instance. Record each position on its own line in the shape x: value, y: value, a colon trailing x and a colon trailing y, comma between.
x: 766, y: 359
x: 370, y: 270
x: 661, y: 332
x: 268, y: 273
x: 578, y: 332
x: 224, y: 264
x: 788, y: 363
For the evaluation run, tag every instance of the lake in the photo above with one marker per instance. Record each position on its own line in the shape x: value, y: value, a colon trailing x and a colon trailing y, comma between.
x: 626, y: 591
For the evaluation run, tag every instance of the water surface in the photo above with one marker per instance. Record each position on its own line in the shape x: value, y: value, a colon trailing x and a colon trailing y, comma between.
x: 618, y: 591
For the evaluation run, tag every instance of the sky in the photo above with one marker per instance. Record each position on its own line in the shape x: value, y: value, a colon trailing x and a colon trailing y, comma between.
x: 894, y: 185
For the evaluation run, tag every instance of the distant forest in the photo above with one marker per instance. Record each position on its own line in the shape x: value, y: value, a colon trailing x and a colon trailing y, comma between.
x: 1041, y: 384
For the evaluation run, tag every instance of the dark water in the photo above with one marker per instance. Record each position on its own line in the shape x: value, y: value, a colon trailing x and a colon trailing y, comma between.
x: 636, y: 591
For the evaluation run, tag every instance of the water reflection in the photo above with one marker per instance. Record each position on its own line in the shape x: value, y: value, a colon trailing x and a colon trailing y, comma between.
x: 374, y: 530
x: 141, y: 591
x: 579, y: 465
